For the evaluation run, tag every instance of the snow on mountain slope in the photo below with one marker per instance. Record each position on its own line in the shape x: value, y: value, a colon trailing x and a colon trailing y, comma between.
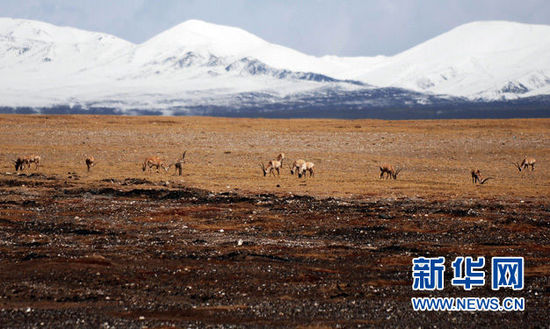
x: 480, y: 59
x: 58, y: 65
x: 488, y: 60
x: 42, y: 64
x: 206, y: 39
x: 31, y: 46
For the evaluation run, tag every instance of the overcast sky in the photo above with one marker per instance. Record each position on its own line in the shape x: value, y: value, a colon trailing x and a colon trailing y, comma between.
x: 317, y: 27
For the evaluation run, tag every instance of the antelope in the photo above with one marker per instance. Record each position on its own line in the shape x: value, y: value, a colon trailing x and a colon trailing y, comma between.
x: 90, y: 162
x: 296, y: 165
x: 154, y: 162
x: 307, y: 166
x: 179, y: 164
x: 36, y: 160
x: 389, y: 171
x: 527, y: 161
x: 477, y: 178
x: 27, y: 160
x: 476, y: 175
x: 271, y: 166
x: 280, y: 158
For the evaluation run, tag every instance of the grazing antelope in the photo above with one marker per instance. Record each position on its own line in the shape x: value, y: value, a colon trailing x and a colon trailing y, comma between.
x: 307, y: 166
x: 36, y: 160
x: 154, y: 162
x: 90, y: 162
x: 179, y: 164
x: 389, y: 171
x: 527, y: 161
x: 477, y: 178
x: 27, y: 160
x: 296, y: 165
x: 273, y: 165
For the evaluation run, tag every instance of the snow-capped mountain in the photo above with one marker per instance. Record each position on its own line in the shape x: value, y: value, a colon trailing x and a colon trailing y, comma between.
x: 488, y: 60
x: 196, y: 65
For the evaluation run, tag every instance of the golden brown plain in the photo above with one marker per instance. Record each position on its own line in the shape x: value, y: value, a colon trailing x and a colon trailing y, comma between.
x: 438, y: 154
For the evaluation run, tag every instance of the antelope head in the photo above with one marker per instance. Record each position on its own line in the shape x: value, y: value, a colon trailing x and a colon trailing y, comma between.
x: 518, y: 165
x: 396, y: 172
x: 263, y: 169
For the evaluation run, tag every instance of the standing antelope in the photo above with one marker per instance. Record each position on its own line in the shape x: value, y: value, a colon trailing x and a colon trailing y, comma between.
x: 389, y: 171
x: 296, y: 165
x: 19, y: 164
x: 90, y: 162
x: 154, y: 162
x: 273, y: 165
x: 307, y: 166
x: 36, y: 159
x: 280, y: 158
x: 477, y: 177
x: 527, y: 161
x: 179, y: 164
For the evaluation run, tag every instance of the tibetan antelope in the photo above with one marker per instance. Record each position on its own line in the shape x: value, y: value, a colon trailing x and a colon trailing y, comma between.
x: 307, y: 166
x: 273, y: 165
x: 90, y: 162
x: 389, y: 171
x: 477, y: 178
x: 27, y: 160
x: 154, y: 162
x: 296, y: 165
x: 179, y: 164
x: 527, y: 161
x: 280, y: 158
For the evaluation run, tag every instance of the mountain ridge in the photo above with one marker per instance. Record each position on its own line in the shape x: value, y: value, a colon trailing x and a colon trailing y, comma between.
x: 198, y: 61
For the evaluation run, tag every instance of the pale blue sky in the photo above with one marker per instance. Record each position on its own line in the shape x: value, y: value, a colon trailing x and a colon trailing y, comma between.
x: 317, y: 27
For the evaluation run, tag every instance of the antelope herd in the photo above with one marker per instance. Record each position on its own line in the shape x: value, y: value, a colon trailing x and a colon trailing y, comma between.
x: 21, y: 162
x: 158, y: 163
x: 299, y: 166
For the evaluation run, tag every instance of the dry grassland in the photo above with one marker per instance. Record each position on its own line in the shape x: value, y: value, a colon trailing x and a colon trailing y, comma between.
x: 224, y: 154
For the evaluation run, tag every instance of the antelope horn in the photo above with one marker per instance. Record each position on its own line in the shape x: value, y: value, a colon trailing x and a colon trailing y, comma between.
x: 485, y: 179
x: 517, y: 165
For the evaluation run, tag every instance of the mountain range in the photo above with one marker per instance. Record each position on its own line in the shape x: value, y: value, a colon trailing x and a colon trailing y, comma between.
x: 489, y: 68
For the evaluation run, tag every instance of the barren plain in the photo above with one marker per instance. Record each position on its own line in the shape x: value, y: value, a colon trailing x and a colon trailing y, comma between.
x: 224, y: 246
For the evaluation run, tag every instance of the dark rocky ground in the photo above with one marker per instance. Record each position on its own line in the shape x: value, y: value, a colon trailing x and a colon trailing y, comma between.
x: 133, y: 254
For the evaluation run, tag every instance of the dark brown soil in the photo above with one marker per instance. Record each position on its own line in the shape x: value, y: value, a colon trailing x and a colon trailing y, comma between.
x: 133, y: 254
